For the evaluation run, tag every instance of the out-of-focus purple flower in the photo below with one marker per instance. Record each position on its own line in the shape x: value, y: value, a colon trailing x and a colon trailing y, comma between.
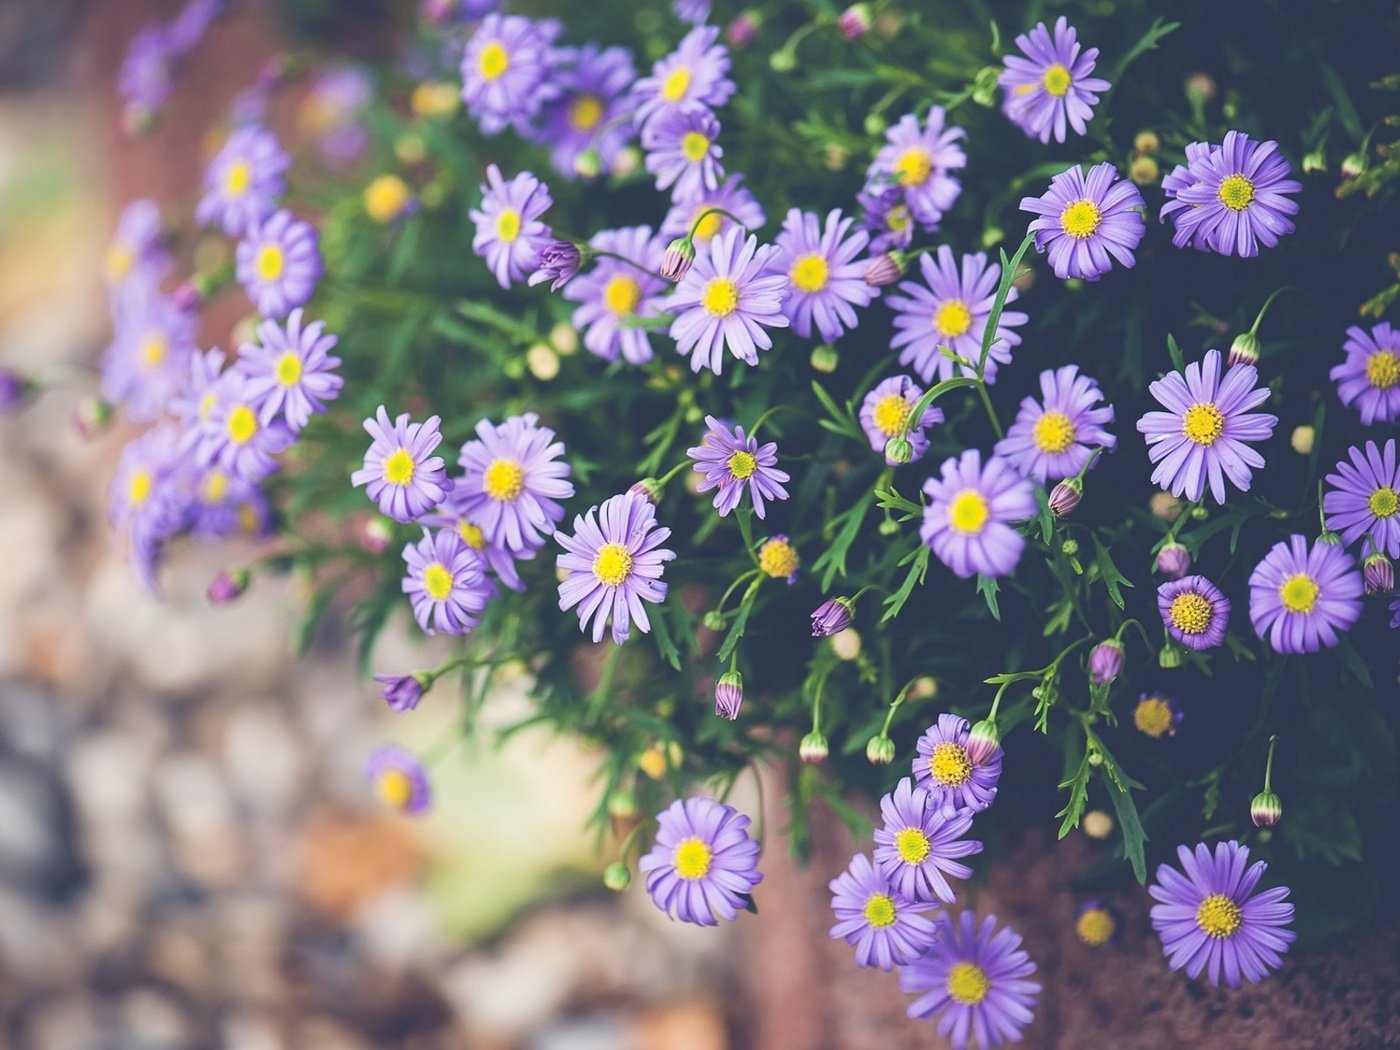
x: 149, y: 356
x: 509, y: 233
x: 513, y: 479
x: 1095, y: 924
x: 13, y: 388
x: 227, y: 586
x: 1051, y: 86
x: 971, y: 508
x: 1369, y: 379
x: 693, y: 77
x: 508, y: 71
x: 233, y: 438
x: 614, y: 561
x: 696, y: 12
x: 1157, y: 715
x: 919, y: 160
x: 244, y: 181
x: 683, y: 153
x: 190, y: 25
x: 726, y: 301
x: 886, y: 216
x: 136, y: 246
x: 1087, y: 221
x: 279, y: 263
x: 589, y: 113
x: 613, y: 291
x: 826, y: 282
x: 1053, y: 438
x: 147, y: 73
x: 399, y: 779
x: 734, y: 463
x: 333, y: 113
x: 743, y: 29
x: 145, y: 504
x: 455, y: 514
x: 401, y: 473
x: 1303, y: 599
x: 402, y: 691
x: 445, y: 583
x: 885, y: 412
x: 1231, y: 198
x: 731, y: 195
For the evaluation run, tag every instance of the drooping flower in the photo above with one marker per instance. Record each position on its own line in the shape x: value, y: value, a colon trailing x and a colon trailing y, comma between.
x: 1304, y: 599
x: 402, y: 691
x: 729, y: 695
x: 919, y: 160
x: 1203, y: 435
x: 1095, y: 924
x: 730, y: 195
x: 1157, y: 715
x: 886, y: 927
x: 967, y: 521
x: 453, y: 514
x: 291, y: 370
x: 279, y: 263
x: 149, y: 356
x: 1211, y: 920
x: 886, y: 217
x: 401, y: 474
x: 886, y: 410
x: 778, y: 559
x: 1194, y: 611
x: 234, y: 438
x: 1369, y: 378
x: 734, y: 463
x: 399, y: 779
x: 958, y: 777
x: 683, y: 153
x: 726, y: 300
x: 920, y: 845
x: 825, y: 280
x: 509, y: 233
x: 614, y: 563
x: 244, y: 181
x: 692, y: 77
x: 1053, y: 438
x: 1087, y: 221
x: 559, y: 263
x: 136, y: 245
x: 613, y: 291
x: 703, y: 862
x: 832, y: 616
x: 445, y: 582
x: 512, y: 482
x: 507, y: 71
x: 1231, y: 198
x: 1051, y: 86
x: 951, y: 309
x: 591, y: 109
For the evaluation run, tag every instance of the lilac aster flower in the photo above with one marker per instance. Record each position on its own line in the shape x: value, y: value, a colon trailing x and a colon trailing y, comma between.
x: 334, y: 113
x: 399, y: 780
x: 244, y: 181
x: 683, y: 152
x: 726, y: 300
x: 400, y: 472
x: 825, y: 282
x: 919, y: 161
x: 1210, y: 919
x: 587, y: 116
x: 730, y: 195
x: 232, y: 437
x: 886, y: 410
x: 1230, y: 198
x: 886, y: 927
x: 1157, y: 715
x: 951, y: 308
x: 445, y: 583
x: 193, y: 401
x: 615, y: 561
x: 734, y: 463
x: 696, y: 12
x: 1053, y: 438
x: 149, y: 356
x: 967, y: 521
x: 1304, y: 598
x: 507, y: 71
x: 613, y: 291
x: 223, y: 505
x: 513, y: 480
x: 693, y: 77
x: 291, y: 370
x: 136, y: 244
x: 453, y: 514
x: 509, y: 233
x: 1051, y: 86
x: 147, y: 73
x: 886, y: 216
x: 279, y: 263
x: 1364, y: 498
x: 1194, y: 611
x: 1202, y: 436
x: 919, y: 846
x: 976, y: 979
x: 1369, y: 378
x: 144, y: 502
x: 1087, y: 221
x: 957, y: 779
x: 702, y: 863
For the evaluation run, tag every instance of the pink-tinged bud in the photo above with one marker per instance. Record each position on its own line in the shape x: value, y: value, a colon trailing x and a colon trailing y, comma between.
x: 1378, y: 574
x: 1173, y: 561
x: 679, y: 257
x: 743, y: 30
x: 832, y: 615
x: 1106, y: 661
x: 1353, y: 164
x: 375, y: 535
x: 92, y: 416
x: 187, y: 298
x: 880, y: 750
x: 1266, y: 809
x: 983, y: 742
x: 1244, y: 350
x: 729, y: 695
x: 13, y: 388
x: 885, y: 269
x: 228, y: 586
x: 649, y: 489
x: 1065, y: 496
x: 855, y: 21
x: 813, y: 748
x: 403, y: 691
x: 559, y: 263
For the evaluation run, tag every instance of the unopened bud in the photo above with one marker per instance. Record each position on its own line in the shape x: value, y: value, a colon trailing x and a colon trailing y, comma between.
x: 1144, y: 171
x: 825, y: 358
x: 228, y: 586
x: 729, y: 695
x: 1200, y: 87
x: 713, y: 621
x: 1378, y: 573
x: 880, y: 750
x: 617, y: 876
x: 885, y: 269
x: 679, y: 257
x: 1170, y: 657
x: 1173, y: 561
x: 983, y: 742
x: 1065, y: 496
x: 1353, y: 164
x: 855, y: 21
x: 1097, y: 824
x: 649, y: 489
x: 1165, y: 506
x: 92, y: 416
x: 1314, y: 160
x: 376, y: 535
x: 813, y: 747
x: 783, y: 61
x: 1244, y: 350
x: 1266, y: 809
x: 743, y: 29
x: 588, y: 164
x: 1146, y: 142
x: 832, y: 615
x: 846, y: 644
x: 1106, y: 661
x: 899, y: 450
x: 1302, y: 439
x: 13, y: 388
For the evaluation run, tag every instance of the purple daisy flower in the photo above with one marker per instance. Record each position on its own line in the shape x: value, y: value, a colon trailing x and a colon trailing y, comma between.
x: 683, y: 153
x: 1395, y: 613
x: 1194, y: 611
x: 244, y: 181
x: 399, y: 780
x: 144, y: 501
x: 692, y: 77
x: 136, y: 245
x: 1051, y: 86
x: 1202, y: 436
x: 919, y: 846
x: 147, y: 73
x: 956, y: 779
x: 886, y: 927
x: 977, y: 980
x: 588, y: 115
x: 1369, y: 378
x: 279, y: 263
x: 1304, y: 598
x: 508, y: 71
x: 886, y: 410
x: 1157, y: 715
x: 1210, y: 919
x: 729, y: 195
x: 509, y: 233
x: 291, y: 370
x: 149, y: 356
x: 614, y: 563
x: 1053, y: 438
x: 1087, y: 221
x: 445, y: 583
x: 703, y: 863
x: 334, y: 113
x: 886, y: 216
x: 967, y: 521
x: 1230, y: 198
x: 613, y: 291
x: 919, y: 161
x: 726, y: 299
x: 513, y: 481
x: 1364, y: 499
x: 453, y: 514
x: 223, y: 505
x: 734, y: 463
x: 951, y: 308
x: 825, y: 282
x: 400, y: 472
x: 233, y: 438
x: 696, y: 12
x: 189, y: 26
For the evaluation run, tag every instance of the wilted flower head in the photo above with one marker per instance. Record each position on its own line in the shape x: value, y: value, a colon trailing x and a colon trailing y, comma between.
x: 1095, y: 924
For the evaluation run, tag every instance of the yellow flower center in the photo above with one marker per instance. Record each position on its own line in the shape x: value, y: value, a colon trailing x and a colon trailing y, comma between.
x: 1203, y: 423
x: 968, y: 512
x: 1191, y: 613
x: 968, y: 983
x: 676, y: 84
x: 1383, y: 369
x: 1384, y: 502
x: 612, y: 565
x: 1054, y: 432
x: 950, y: 765
x: 720, y: 298
x: 206, y: 406
x: 742, y: 464
x: 503, y: 480
x: 237, y: 178
x: 913, y: 846
x: 1153, y: 716
x: 1219, y: 916
x: 621, y: 295
x: 399, y: 467
x: 952, y: 318
x: 897, y: 219
x: 385, y: 198
x: 138, y: 490
x: 1095, y: 927
x: 1236, y: 192
x: 289, y: 369
x: 249, y: 520
x: 694, y: 146
x: 153, y: 350
x: 1299, y: 593
x: 270, y: 262
x: 1056, y: 80
x: 778, y: 558
x: 437, y: 581
x: 586, y: 113
x: 508, y: 225
x: 879, y: 910
x: 890, y: 414
x: 494, y: 60
x: 914, y: 166
x: 708, y: 226
x: 809, y: 272
x: 692, y: 859
x: 242, y: 425
x: 471, y: 535
x: 119, y: 262
x: 395, y: 788
x: 1080, y: 219
x: 214, y: 489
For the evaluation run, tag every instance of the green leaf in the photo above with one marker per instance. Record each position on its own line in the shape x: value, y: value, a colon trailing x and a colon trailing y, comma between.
x: 1147, y: 42
x: 1044, y: 517
x: 832, y: 562
x: 1008, y: 274
x: 1178, y: 360
x: 1078, y: 795
x: 1134, y: 837
x: 741, y: 621
x: 1112, y: 578
x: 889, y: 499
x: 664, y: 643
x: 987, y: 588
x: 917, y: 571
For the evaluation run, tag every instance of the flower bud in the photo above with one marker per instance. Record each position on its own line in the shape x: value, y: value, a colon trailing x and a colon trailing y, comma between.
x: 1266, y: 809
x: 649, y: 489
x: 743, y: 29
x: 1065, y: 496
x: 1164, y: 506
x: 813, y: 747
x: 626, y: 162
x: 227, y: 586
x: 855, y: 21
x: 92, y: 416
x: 1314, y: 160
x: 983, y: 742
x: 1069, y: 548
x: 880, y: 750
x: 388, y: 198
x: 1302, y: 439
x: 1144, y: 171
x: 434, y: 100
x: 617, y: 876
x: 559, y: 264
x: 190, y: 294
x: 783, y: 61
x: 846, y: 644
x: 925, y: 687
x: 1244, y: 350
x: 713, y: 620
x: 1147, y: 142
x: 13, y: 387
x: 729, y: 695
x: 1106, y: 661
x: 984, y: 86
x: 875, y: 124
x: 1200, y: 87
x: 1329, y: 537
x: 1169, y: 658
x: 679, y: 257
x: 1378, y: 573
x: 1173, y: 560
x: 885, y: 269
x: 1097, y: 824
x: 832, y: 615
x: 1096, y: 924
x: 1353, y: 164
x: 825, y: 358
x: 588, y: 164
x: 403, y: 691
x: 1095, y: 759
x: 376, y: 535
x: 899, y: 450
x: 622, y: 804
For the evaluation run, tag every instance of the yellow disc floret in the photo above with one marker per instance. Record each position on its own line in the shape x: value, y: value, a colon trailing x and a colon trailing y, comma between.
x: 694, y: 146
x: 720, y: 297
x: 1153, y: 716
x: 612, y: 565
x: 503, y: 480
x: 778, y: 558
x: 968, y: 512
x: 438, y: 581
x: 1095, y: 926
x: 1191, y: 613
x: 914, y: 166
x: 270, y: 262
x: 237, y: 178
x: 508, y: 225
x: 1383, y: 370
x: 742, y: 464
x: 386, y: 198
x: 242, y: 425
x: 621, y: 295
x: 1299, y: 593
x: 950, y: 765
x: 913, y: 846
x: 586, y: 113
x: 692, y: 859
x: 1203, y: 423
x: 493, y: 61
x: 1384, y: 502
x: 880, y: 910
x: 676, y: 84
x: 1056, y: 80
x: 968, y: 984
x: 890, y: 414
x: 395, y: 788
x: 1080, y: 219
x: 952, y: 318
x: 1236, y: 192
x: 289, y: 369
x: 399, y: 467
x: 809, y: 272
x: 1054, y: 432
x: 1219, y: 916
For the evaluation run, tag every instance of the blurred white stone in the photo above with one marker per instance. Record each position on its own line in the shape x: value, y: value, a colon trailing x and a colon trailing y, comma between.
x: 263, y: 758
x: 154, y: 1022
x: 400, y: 928
x: 250, y: 1032
x: 66, y: 1022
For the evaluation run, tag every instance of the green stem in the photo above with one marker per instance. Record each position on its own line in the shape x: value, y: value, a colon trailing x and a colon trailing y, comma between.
x: 1254, y: 328
x: 895, y: 705
x: 1269, y: 763
x: 991, y: 412
x: 753, y: 430
x: 712, y: 210
x: 737, y: 581
x: 662, y: 482
x: 601, y: 253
